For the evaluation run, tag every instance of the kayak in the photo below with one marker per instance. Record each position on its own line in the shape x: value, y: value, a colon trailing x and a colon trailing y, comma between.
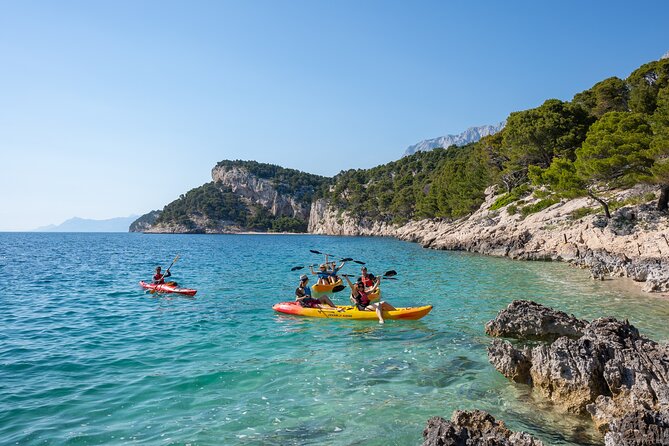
x: 317, y: 288
x: 341, y: 312
x: 167, y: 288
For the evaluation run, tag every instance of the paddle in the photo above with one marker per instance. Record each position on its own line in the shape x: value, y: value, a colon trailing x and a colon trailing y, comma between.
x: 153, y: 291
x: 347, y: 259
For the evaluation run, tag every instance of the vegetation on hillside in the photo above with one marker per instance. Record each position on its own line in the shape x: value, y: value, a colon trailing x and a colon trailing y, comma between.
x: 615, y: 134
x: 300, y: 185
x: 219, y: 206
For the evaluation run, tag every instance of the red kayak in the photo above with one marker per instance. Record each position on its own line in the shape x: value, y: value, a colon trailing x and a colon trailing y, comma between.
x: 167, y: 288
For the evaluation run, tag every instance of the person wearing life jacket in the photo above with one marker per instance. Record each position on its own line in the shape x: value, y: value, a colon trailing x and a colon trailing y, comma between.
x: 360, y: 298
x: 368, y: 279
x: 159, y: 278
x: 303, y: 295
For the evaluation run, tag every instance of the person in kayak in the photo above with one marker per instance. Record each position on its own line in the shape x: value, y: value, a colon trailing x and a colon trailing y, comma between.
x: 334, y: 278
x: 322, y: 273
x: 159, y: 277
x: 303, y: 295
x: 368, y: 279
x: 360, y: 298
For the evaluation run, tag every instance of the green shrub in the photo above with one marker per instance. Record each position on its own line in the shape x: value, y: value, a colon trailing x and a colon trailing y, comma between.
x: 515, y: 194
x: 538, y: 206
x: 582, y: 212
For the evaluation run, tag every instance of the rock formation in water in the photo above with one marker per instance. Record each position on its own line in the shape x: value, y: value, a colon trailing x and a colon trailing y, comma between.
x: 603, y: 368
x: 470, y: 428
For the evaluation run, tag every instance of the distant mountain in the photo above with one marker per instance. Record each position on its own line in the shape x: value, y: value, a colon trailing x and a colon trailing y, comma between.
x: 76, y: 224
x: 472, y: 134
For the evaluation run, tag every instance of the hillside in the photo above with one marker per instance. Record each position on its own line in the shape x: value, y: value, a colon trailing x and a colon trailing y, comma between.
x: 242, y: 196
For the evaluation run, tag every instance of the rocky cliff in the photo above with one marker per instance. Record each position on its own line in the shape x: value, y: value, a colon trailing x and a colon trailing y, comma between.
x: 633, y: 243
x: 243, y: 196
x: 255, y: 190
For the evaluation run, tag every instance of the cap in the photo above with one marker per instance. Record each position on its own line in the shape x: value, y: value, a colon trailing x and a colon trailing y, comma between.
x: 303, y: 277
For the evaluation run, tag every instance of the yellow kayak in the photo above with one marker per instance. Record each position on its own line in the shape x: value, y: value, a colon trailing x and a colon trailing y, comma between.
x: 316, y: 288
x: 340, y: 312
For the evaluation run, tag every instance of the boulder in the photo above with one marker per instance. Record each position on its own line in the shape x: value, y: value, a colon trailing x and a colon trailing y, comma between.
x: 639, y: 428
x: 524, y: 319
x: 473, y: 428
x: 610, y: 371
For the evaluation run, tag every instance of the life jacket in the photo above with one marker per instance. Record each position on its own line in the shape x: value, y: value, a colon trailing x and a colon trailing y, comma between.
x: 367, y: 280
x: 361, y: 299
x: 158, y: 279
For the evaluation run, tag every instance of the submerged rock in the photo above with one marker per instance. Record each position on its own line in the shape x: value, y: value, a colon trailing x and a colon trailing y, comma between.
x: 473, y: 428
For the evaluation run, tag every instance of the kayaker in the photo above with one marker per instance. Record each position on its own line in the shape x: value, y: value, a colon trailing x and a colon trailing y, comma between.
x: 333, y: 272
x: 367, y: 279
x: 322, y: 273
x: 359, y: 298
x: 303, y: 295
x: 159, y: 278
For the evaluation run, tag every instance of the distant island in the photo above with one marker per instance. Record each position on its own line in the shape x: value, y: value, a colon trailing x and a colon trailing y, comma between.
x: 76, y: 224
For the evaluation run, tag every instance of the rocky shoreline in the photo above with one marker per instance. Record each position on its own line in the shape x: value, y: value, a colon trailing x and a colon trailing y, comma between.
x: 634, y: 243
x: 604, y: 369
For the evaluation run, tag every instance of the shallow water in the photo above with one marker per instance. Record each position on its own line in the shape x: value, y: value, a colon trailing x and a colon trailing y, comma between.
x: 87, y: 357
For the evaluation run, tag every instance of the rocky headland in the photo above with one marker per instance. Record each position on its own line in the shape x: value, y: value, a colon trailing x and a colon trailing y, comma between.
x: 604, y: 369
x: 633, y: 243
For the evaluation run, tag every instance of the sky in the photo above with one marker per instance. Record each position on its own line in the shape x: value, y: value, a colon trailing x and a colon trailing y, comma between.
x: 113, y: 108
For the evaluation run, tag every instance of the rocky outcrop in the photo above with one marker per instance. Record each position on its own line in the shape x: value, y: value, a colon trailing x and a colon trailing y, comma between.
x: 256, y: 190
x: 605, y: 368
x: 524, y: 319
x: 473, y: 428
x: 639, y: 428
x: 634, y: 243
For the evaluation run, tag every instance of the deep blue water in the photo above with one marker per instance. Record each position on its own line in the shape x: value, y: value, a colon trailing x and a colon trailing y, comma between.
x: 87, y: 357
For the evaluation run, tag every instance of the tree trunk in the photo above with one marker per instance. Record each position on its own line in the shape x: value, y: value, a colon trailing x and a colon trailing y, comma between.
x: 604, y: 204
x: 663, y: 202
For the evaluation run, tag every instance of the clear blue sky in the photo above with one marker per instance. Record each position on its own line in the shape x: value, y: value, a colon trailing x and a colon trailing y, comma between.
x: 112, y: 108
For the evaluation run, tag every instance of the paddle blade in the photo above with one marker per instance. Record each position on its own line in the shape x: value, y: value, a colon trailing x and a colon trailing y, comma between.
x: 390, y: 273
x: 315, y: 252
x: 359, y: 262
x: 338, y: 288
x: 295, y: 268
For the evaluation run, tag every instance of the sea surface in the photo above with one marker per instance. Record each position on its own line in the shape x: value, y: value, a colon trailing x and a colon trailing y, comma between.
x: 88, y: 358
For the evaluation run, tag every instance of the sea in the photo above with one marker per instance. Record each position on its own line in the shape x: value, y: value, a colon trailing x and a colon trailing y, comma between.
x: 87, y: 357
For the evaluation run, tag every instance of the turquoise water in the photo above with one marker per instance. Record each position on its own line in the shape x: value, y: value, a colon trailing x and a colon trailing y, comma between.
x: 86, y: 357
